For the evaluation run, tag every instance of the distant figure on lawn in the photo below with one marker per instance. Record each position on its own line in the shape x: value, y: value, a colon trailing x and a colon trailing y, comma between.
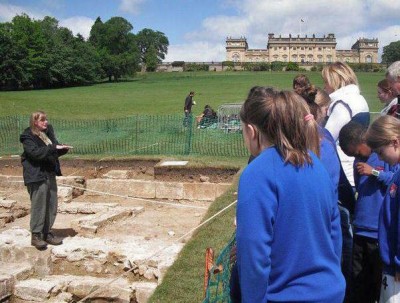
x: 208, y: 117
x: 188, y: 108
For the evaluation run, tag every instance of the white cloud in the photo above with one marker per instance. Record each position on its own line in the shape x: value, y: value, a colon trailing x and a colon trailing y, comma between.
x: 78, y: 24
x: 130, y: 6
x: 347, y: 19
x: 9, y: 11
x: 196, y: 52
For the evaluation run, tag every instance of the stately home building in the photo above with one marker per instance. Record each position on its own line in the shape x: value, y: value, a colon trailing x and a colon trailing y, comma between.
x: 302, y: 50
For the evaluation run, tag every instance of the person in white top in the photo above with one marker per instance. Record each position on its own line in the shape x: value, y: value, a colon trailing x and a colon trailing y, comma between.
x: 347, y: 105
x: 341, y: 83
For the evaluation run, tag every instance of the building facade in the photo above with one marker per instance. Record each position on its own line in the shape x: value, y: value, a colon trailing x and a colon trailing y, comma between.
x: 304, y: 50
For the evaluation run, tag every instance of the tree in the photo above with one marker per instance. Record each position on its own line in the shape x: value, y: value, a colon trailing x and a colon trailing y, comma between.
x: 116, y: 46
x: 153, y: 46
x: 391, y: 53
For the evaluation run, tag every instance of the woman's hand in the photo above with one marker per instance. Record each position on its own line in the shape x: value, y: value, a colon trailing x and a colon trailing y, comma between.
x: 63, y: 146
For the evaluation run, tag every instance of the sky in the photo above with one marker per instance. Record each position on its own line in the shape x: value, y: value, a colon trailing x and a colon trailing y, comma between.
x: 197, y: 29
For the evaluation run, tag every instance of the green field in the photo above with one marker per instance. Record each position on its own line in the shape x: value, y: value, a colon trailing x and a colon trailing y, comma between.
x: 159, y: 93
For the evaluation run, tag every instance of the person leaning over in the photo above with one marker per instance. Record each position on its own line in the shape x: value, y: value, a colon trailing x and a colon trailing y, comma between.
x: 371, y: 178
x: 40, y: 168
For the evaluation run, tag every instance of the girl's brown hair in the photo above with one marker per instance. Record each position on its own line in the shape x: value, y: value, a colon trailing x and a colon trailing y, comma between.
x: 280, y: 117
x: 383, y: 131
x: 301, y: 83
x: 36, y: 116
x: 385, y: 86
x: 338, y: 75
x: 316, y: 98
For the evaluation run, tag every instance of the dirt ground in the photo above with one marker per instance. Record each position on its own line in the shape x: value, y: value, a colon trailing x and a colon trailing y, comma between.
x: 137, y: 169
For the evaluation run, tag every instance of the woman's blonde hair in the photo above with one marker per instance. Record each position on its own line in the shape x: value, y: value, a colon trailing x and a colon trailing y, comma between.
x: 36, y: 116
x: 383, y: 131
x: 338, y: 75
x: 284, y: 119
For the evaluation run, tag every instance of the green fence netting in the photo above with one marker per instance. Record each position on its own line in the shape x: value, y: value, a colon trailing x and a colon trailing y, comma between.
x: 218, y: 284
x: 133, y: 135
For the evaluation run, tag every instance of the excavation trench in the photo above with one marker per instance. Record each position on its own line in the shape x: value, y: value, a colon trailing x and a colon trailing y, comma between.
x: 117, y: 219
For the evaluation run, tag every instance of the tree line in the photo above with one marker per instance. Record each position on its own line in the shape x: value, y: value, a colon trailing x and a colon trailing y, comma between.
x: 42, y: 54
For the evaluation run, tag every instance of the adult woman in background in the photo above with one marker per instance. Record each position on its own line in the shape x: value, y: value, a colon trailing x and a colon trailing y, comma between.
x: 347, y: 104
x: 40, y: 168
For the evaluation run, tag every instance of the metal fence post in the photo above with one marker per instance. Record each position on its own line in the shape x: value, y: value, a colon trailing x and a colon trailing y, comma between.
x: 189, y: 137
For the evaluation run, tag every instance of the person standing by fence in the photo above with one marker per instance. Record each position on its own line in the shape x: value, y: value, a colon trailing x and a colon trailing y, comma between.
x: 188, y: 108
x: 40, y: 167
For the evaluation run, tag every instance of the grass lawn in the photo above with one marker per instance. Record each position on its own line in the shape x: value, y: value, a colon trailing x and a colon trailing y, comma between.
x: 159, y: 93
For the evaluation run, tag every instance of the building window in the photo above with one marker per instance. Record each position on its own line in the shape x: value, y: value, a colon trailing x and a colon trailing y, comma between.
x: 368, y: 59
x: 310, y: 48
x: 284, y: 48
x: 235, y: 58
x: 302, y: 48
x: 319, y: 48
x: 275, y: 48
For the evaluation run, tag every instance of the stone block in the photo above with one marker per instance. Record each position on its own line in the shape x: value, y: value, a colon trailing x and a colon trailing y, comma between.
x: 90, y: 224
x: 200, y: 191
x: 101, y: 289
x: 6, y: 286
x: 169, y: 190
x: 85, y: 207
x: 34, y: 289
x: 132, y: 188
x: 143, y: 291
x: 117, y: 174
x: 77, y: 183
x: 64, y: 194
x: 7, y: 203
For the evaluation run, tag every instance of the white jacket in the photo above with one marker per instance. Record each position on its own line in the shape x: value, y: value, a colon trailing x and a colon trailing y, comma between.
x: 346, y: 103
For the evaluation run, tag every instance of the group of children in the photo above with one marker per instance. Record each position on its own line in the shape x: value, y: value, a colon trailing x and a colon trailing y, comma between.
x: 294, y: 239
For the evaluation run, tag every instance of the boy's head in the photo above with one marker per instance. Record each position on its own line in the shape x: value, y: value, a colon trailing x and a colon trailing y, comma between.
x: 352, y: 140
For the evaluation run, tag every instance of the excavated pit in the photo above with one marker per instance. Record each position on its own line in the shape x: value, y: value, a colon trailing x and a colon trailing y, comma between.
x: 117, y: 219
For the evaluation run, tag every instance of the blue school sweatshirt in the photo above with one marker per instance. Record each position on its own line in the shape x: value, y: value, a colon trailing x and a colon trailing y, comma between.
x: 371, y: 192
x: 389, y: 227
x: 329, y: 157
x: 288, y: 233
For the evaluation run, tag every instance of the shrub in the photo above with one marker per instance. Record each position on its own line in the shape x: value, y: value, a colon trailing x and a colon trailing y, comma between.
x: 292, y: 66
x: 194, y: 67
x: 228, y: 64
x: 178, y: 64
x: 277, y: 66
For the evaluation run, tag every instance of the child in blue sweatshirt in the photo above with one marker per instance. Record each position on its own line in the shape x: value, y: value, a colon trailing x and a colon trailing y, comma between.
x: 288, y: 225
x: 383, y: 136
x: 371, y: 178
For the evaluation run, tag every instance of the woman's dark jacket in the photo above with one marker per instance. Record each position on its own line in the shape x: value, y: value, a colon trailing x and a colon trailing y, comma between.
x: 39, y: 159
